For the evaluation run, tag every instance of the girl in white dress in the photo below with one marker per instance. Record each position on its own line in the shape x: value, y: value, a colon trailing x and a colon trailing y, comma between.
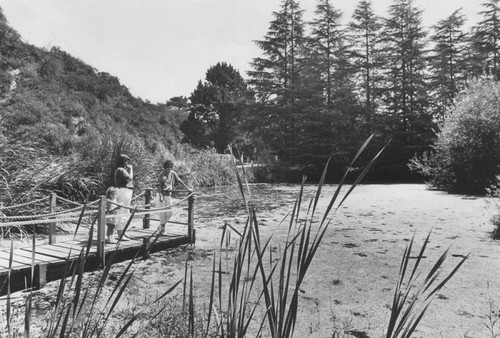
x: 124, y: 182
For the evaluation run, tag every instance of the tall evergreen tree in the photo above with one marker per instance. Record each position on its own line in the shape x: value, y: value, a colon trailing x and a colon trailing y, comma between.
x: 324, y: 44
x: 486, y: 41
x: 404, y: 36
x: 365, y: 33
x: 448, y: 61
x: 276, y: 81
x: 405, y: 115
x: 217, y: 106
x: 276, y: 71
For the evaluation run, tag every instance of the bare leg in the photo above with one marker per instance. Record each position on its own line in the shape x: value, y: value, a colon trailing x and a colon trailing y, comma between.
x: 110, y: 238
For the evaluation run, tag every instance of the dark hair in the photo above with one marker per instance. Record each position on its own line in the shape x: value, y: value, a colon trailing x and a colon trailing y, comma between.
x: 168, y: 164
x: 122, y: 159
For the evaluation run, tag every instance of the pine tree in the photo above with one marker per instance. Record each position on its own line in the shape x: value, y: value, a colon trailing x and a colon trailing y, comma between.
x: 277, y: 83
x: 365, y: 34
x: 325, y: 40
x: 448, y: 61
x: 486, y: 41
x: 276, y: 71
x: 405, y: 116
x: 404, y: 37
x: 217, y: 106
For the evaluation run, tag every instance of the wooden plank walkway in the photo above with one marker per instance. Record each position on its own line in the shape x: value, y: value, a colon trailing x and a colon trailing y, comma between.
x: 50, y: 260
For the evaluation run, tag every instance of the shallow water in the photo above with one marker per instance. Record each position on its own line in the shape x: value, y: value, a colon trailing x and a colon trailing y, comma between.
x: 228, y: 203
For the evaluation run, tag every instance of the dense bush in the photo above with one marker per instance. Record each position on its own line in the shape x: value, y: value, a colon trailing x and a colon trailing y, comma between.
x: 466, y: 155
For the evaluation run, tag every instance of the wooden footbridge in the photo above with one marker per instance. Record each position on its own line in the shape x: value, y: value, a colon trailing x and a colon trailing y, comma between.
x: 34, y: 265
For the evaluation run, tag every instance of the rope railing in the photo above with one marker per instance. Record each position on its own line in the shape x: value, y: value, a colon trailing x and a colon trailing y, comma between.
x: 70, y: 217
x: 140, y: 195
x: 68, y: 212
x: 62, y: 199
x: 51, y: 214
x: 14, y: 206
x: 98, y: 211
x: 137, y: 209
x: 76, y: 215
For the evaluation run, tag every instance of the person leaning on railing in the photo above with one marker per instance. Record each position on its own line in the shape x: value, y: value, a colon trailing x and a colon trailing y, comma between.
x: 124, y: 182
x: 167, y: 180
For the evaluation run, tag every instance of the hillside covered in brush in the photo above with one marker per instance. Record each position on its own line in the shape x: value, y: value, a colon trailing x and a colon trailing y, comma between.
x: 61, y: 120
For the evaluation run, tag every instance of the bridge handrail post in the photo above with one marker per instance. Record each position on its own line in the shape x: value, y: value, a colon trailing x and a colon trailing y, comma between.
x: 146, y: 221
x: 101, y: 231
x: 1, y: 208
x: 191, y: 232
x: 52, y: 226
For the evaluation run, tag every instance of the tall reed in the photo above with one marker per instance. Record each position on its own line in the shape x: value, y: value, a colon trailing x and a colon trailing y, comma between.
x: 235, y: 307
x: 411, y: 298
x: 280, y: 280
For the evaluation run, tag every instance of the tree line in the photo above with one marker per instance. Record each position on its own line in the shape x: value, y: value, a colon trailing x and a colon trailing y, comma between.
x: 321, y: 87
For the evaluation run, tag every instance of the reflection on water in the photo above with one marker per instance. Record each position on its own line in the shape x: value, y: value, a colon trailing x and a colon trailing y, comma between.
x: 227, y: 202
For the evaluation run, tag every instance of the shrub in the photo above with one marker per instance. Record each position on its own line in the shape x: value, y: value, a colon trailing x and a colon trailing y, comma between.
x: 202, y: 168
x: 467, y: 151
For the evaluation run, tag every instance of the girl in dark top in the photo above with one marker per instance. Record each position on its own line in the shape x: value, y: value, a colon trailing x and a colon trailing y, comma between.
x: 167, y: 180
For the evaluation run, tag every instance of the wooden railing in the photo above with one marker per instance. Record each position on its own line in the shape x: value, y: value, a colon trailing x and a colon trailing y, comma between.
x: 94, y: 211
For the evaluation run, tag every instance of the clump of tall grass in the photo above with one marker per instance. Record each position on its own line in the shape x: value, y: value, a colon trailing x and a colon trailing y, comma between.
x: 279, y: 280
x: 27, y: 173
x: 412, y: 295
x: 202, y: 168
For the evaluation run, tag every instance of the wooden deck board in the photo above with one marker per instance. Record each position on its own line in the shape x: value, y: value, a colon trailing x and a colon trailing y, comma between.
x: 54, y: 256
x: 21, y: 259
x: 56, y: 248
x: 16, y: 264
x: 16, y: 258
x: 77, y: 246
x: 39, y: 257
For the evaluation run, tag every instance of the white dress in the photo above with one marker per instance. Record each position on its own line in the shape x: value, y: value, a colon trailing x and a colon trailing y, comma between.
x: 166, y: 183
x: 123, y: 197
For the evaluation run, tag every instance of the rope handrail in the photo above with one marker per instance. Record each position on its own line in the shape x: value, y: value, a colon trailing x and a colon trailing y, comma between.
x: 44, y: 221
x: 140, y: 195
x: 74, y: 214
x: 62, y: 199
x: 152, y: 209
x: 75, y: 218
x: 52, y: 214
x: 73, y: 211
x: 13, y: 206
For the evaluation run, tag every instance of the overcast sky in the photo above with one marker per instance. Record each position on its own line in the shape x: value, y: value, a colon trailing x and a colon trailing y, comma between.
x: 161, y: 48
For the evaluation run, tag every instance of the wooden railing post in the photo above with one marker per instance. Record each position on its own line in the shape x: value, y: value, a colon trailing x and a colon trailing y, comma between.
x: 191, y: 232
x: 1, y: 208
x: 147, y: 202
x: 52, y: 226
x: 101, y: 231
